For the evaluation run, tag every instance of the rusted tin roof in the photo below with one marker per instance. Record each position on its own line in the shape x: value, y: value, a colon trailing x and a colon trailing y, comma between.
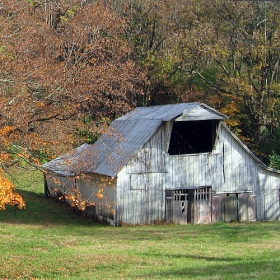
x: 125, y: 137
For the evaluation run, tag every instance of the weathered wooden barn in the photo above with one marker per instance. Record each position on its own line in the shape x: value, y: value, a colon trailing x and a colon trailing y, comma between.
x: 172, y: 163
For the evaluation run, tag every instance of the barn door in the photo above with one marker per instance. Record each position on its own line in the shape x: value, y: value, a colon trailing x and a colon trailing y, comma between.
x: 238, y: 207
x: 202, y: 206
x: 230, y: 207
x: 189, y: 206
x: 247, y: 207
x: 177, y: 206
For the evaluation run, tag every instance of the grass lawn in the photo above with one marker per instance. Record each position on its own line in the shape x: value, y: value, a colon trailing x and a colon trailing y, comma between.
x: 48, y: 241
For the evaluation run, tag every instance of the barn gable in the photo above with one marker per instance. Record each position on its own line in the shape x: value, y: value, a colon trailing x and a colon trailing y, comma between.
x: 126, y: 135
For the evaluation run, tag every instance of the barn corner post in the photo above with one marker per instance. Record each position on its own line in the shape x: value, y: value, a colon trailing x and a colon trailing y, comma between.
x: 46, y: 188
x: 116, y: 223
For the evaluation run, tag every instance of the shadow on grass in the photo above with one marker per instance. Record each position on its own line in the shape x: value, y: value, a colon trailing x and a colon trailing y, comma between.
x: 43, y: 211
x: 192, y: 257
x: 226, y: 269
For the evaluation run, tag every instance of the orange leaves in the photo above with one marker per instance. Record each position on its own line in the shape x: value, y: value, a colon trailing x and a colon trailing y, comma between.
x: 4, y: 156
x: 74, y: 197
x: 8, y: 196
x: 6, y: 130
x: 4, y: 133
x: 40, y: 105
x: 100, y: 194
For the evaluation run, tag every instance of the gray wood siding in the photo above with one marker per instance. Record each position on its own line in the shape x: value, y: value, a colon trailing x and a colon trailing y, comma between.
x: 239, y: 167
x: 153, y: 157
x: 99, y: 191
x: 269, y: 204
x: 96, y: 190
x: 229, y: 168
x: 141, y: 183
x: 131, y: 206
x: 141, y: 198
x: 61, y: 183
x: 189, y: 171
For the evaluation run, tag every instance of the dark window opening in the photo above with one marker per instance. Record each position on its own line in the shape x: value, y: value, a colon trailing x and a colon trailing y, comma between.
x: 202, y: 193
x: 181, y: 195
x: 189, y: 137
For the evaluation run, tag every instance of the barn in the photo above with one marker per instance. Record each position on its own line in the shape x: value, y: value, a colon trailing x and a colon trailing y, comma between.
x: 170, y: 163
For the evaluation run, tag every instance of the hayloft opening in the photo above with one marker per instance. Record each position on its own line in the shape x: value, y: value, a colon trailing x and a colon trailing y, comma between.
x: 190, y: 137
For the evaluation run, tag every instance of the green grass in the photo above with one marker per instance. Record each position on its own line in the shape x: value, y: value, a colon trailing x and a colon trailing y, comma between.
x: 48, y: 241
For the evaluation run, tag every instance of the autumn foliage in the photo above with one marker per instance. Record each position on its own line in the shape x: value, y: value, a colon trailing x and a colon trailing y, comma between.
x: 221, y: 52
x: 8, y: 196
x: 69, y: 67
x: 65, y: 73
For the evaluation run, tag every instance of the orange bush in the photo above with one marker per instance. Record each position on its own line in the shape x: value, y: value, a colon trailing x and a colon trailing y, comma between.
x: 8, y: 196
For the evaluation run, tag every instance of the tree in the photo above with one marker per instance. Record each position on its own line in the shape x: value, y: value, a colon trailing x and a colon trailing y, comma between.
x: 65, y: 72
x: 65, y: 79
x: 220, y: 52
x: 244, y: 56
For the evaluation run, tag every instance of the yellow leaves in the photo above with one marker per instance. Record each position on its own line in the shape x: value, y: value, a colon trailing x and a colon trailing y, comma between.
x: 6, y: 130
x: 82, y: 205
x: 82, y: 201
x: 230, y: 109
x: 74, y: 196
x: 232, y: 123
x: 63, y: 19
x: 56, y: 181
x: 4, y: 133
x: 8, y: 196
x: 100, y: 194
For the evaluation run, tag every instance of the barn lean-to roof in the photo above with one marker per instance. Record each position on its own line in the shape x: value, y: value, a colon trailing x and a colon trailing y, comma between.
x: 125, y: 137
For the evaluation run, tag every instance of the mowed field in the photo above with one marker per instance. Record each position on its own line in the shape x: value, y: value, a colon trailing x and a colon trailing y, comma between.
x: 48, y: 241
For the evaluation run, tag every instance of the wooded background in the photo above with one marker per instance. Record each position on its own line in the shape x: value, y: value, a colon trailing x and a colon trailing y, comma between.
x: 68, y: 68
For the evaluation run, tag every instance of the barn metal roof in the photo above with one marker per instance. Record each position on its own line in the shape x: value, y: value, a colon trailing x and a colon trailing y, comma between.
x: 161, y: 112
x: 126, y: 135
